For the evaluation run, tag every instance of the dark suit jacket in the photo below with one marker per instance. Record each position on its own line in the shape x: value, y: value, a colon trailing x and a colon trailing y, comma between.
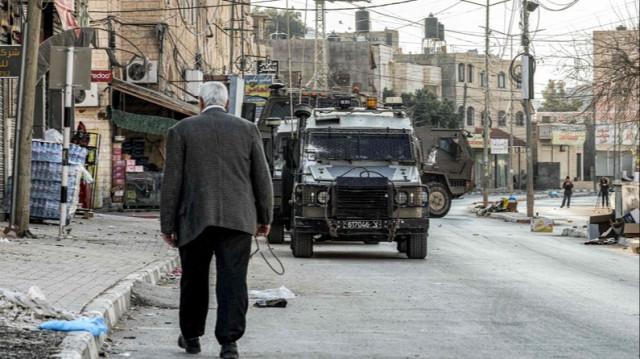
x: 216, y: 174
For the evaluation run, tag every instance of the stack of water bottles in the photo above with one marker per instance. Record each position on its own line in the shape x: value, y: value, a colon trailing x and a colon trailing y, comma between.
x: 46, y: 177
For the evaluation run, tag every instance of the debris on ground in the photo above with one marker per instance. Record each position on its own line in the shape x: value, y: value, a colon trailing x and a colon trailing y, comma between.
x: 270, y: 294
x: 151, y: 295
x: 273, y: 303
x: 95, y: 326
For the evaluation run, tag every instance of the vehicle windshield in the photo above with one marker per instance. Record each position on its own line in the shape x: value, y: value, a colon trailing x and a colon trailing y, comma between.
x: 360, y: 146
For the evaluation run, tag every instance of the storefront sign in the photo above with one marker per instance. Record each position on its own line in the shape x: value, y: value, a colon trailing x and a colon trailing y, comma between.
x: 256, y: 90
x: 101, y: 76
x: 476, y: 141
x: 605, y: 134
x: 268, y: 66
x: 568, y: 137
x: 10, y: 61
x: 65, y: 10
x: 499, y: 146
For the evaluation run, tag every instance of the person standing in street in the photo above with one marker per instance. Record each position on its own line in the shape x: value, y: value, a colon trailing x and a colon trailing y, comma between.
x: 605, y: 184
x: 216, y: 193
x: 567, y: 185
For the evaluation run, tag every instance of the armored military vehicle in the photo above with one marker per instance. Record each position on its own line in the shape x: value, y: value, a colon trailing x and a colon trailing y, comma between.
x: 447, y: 167
x: 356, y: 177
x: 277, y: 125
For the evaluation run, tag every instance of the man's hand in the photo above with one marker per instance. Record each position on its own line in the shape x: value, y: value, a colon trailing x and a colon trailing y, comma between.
x: 171, y: 239
x: 262, y: 230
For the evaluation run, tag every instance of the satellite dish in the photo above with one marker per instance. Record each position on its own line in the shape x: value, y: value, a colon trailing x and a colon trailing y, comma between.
x: 136, y: 71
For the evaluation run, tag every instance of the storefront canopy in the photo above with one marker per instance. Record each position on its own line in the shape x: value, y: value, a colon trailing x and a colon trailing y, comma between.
x: 142, y: 123
x: 155, y: 97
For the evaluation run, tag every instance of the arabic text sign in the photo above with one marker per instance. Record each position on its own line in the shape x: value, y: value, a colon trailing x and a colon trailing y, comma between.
x: 499, y: 146
x: 10, y: 61
x: 568, y: 138
x: 476, y: 141
x: 267, y: 66
x: 257, y: 85
x: 605, y: 135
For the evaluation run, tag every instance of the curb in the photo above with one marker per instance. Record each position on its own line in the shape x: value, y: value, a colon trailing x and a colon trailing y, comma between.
x: 111, y: 304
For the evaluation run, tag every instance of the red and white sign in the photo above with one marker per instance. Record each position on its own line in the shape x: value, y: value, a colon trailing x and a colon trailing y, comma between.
x: 65, y: 12
x: 101, y: 76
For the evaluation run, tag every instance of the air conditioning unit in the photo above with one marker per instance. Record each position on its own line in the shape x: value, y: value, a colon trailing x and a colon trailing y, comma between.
x: 193, y: 80
x: 87, y: 98
x: 139, y: 72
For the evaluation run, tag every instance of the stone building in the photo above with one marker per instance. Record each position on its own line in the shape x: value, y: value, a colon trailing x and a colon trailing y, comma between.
x: 148, y: 57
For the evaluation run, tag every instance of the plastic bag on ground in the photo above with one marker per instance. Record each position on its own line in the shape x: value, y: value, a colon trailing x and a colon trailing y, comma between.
x: 279, y: 293
x: 96, y: 326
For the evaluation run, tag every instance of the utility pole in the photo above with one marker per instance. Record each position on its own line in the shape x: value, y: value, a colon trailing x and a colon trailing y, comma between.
x: 487, y: 110
x: 510, y: 162
x: 527, y: 94
x: 485, y: 125
x: 22, y: 178
x: 464, y: 106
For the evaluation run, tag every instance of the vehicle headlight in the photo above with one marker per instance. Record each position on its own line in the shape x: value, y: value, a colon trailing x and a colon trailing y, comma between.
x: 323, y: 197
x: 401, y: 197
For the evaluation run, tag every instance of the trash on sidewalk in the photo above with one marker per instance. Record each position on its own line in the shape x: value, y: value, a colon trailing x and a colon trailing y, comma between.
x: 36, y: 293
x: 554, y: 194
x: 542, y: 225
x: 273, y: 303
x: 176, y: 273
x: 269, y: 294
x: 95, y: 326
x: 632, y: 216
x: 25, y: 310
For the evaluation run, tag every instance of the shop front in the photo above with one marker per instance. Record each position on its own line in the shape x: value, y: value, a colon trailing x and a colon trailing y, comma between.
x: 498, y: 159
x: 141, y: 119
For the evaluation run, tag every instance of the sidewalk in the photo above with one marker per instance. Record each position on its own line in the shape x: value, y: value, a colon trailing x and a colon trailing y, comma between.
x: 93, y: 271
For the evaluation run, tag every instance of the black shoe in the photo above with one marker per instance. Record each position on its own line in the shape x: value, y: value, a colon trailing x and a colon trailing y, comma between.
x: 229, y: 351
x: 192, y: 346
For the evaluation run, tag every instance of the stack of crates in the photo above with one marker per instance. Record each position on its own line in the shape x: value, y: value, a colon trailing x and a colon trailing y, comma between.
x: 118, y: 173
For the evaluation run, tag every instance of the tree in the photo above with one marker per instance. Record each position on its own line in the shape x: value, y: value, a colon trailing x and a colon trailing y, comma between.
x: 388, y: 93
x: 278, y: 22
x: 556, y: 99
x: 426, y: 110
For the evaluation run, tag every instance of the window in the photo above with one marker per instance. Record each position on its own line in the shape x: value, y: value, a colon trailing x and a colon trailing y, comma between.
x: 519, y: 119
x: 501, y: 80
x: 461, y: 111
x: 460, y: 72
x: 470, y: 73
x: 546, y: 119
x: 471, y: 113
x: 502, y: 118
x: 482, y: 79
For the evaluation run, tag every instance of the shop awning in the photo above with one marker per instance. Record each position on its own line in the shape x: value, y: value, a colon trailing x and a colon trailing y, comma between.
x: 500, y: 134
x: 142, y: 123
x: 155, y: 97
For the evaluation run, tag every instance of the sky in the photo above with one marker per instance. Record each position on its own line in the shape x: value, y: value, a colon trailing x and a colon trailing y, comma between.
x: 553, y: 29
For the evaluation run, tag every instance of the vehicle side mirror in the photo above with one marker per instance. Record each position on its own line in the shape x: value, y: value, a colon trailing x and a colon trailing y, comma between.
x: 267, y: 145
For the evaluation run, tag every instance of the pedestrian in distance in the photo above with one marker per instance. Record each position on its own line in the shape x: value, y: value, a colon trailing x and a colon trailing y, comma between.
x: 216, y: 194
x: 567, y: 185
x: 605, y: 184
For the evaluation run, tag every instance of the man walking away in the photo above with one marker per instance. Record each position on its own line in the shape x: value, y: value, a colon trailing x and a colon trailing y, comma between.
x: 216, y: 193
x: 568, y: 187
x: 605, y: 183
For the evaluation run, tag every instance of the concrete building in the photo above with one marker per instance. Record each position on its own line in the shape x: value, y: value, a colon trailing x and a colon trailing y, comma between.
x: 561, y: 140
x: 175, y: 48
x: 463, y: 82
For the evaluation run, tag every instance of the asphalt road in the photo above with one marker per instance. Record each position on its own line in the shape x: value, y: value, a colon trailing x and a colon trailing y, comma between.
x: 488, y: 289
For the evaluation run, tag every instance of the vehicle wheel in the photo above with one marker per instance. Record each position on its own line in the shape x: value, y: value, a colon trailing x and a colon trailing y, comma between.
x: 402, y: 246
x: 276, y: 235
x: 302, y: 245
x: 439, y: 200
x: 417, y: 246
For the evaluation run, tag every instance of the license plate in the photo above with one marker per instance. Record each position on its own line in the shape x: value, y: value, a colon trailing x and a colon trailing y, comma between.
x: 362, y: 224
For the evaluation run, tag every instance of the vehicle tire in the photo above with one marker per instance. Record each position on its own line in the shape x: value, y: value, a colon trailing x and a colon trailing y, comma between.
x: 402, y: 246
x: 302, y: 245
x: 276, y: 235
x: 417, y: 246
x: 439, y: 200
